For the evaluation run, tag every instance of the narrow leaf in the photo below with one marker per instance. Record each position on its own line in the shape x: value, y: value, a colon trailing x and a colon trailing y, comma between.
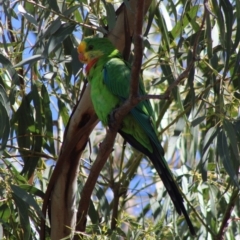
x: 23, y: 214
x: 222, y: 148
x: 26, y: 198
x: 27, y: 15
x: 31, y: 60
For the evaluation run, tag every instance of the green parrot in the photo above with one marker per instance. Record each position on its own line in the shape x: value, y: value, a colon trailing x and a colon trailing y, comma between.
x: 109, y: 77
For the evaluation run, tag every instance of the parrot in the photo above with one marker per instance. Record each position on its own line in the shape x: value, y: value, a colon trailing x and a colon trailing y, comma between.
x: 109, y: 76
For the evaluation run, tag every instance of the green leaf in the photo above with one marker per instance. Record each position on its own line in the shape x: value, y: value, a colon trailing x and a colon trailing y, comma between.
x: 200, y: 195
x: 4, y: 212
x: 162, y: 25
x: 151, y: 13
x: 53, y: 5
x: 208, y: 140
x: 111, y: 16
x: 51, y: 29
x: 93, y: 20
x: 213, y: 200
x: 72, y: 9
x: 76, y: 64
x: 8, y: 65
x: 126, y: 2
x: 103, y: 203
x: 197, y: 121
x: 17, y: 176
x: 36, y: 140
x: 188, y: 17
x: 228, y: 12
x: 231, y: 133
x: 37, y: 108
x: 180, y: 125
x: 156, y: 209
x: 237, y: 36
x: 63, y: 112
x: 92, y: 213
x: 30, y: 60
x: 32, y: 190
x: 55, y: 40
x: 4, y: 99
x: 222, y: 148
x: 25, y: 120
x: 209, y: 36
x: 23, y: 215
x: 26, y: 198
x: 235, y: 73
x: 27, y: 15
x: 48, y: 117
x: 4, y: 118
x: 220, y: 20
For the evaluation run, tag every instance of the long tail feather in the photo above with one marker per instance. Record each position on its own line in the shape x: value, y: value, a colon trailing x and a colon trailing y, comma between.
x: 171, y: 186
x: 158, y: 161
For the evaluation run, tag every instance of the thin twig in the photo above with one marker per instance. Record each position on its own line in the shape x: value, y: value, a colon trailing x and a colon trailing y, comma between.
x: 62, y: 16
x: 185, y: 73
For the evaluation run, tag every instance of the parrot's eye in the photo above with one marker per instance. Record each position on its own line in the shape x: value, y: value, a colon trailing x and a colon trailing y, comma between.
x: 90, y: 47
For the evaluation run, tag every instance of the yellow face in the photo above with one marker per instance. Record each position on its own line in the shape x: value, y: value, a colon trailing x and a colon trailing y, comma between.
x: 82, y: 53
x: 88, y: 53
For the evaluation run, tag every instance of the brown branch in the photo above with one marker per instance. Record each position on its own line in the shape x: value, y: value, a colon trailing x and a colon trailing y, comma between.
x: 226, y: 218
x: 62, y: 185
x: 128, y: 40
x: 105, y: 150
x: 116, y: 197
x: 138, y: 50
x: 119, y: 114
x: 118, y: 33
x: 141, y: 6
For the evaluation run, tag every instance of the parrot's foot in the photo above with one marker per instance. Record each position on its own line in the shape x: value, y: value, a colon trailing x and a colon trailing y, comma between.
x: 111, y: 118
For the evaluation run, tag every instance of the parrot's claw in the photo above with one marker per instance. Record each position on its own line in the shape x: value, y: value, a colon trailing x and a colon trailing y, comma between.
x: 111, y: 118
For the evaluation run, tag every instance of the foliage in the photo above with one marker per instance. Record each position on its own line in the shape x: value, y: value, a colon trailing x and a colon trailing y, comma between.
x: 40, y: 83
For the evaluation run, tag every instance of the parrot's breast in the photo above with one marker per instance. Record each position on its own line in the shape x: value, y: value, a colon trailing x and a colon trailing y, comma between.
x: 103, y: 101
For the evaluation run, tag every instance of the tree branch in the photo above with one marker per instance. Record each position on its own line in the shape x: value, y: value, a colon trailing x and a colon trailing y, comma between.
x: 62, y: 185
x: 227, y: 215
x: 119, y: 114
x: 138, y: 51
x: 116, y: 196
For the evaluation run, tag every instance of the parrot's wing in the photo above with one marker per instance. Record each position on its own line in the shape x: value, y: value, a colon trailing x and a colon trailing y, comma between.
x: 117, y: 77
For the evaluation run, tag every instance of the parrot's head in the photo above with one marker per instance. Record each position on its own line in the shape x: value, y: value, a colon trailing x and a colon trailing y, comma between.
x: 92, y: 48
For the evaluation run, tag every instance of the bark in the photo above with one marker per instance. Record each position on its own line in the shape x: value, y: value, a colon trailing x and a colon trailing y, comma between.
x: 63, y: 197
